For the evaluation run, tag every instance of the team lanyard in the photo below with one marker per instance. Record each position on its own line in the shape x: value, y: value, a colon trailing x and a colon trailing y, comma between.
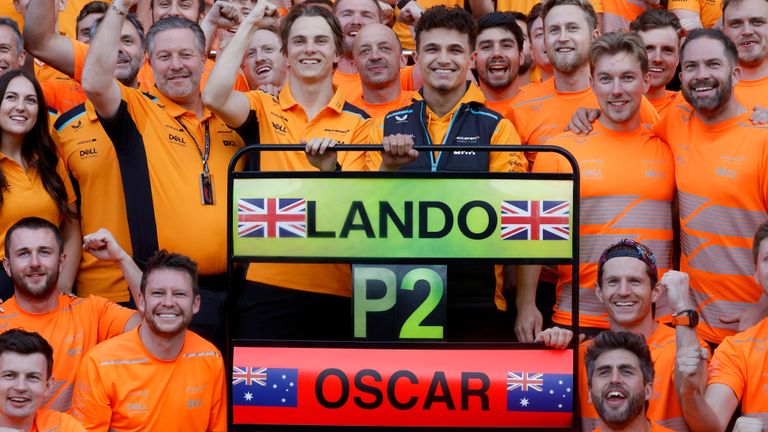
x: 206, y: 180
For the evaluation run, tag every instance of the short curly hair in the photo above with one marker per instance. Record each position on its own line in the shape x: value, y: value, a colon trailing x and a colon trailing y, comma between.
x: 454, y: 18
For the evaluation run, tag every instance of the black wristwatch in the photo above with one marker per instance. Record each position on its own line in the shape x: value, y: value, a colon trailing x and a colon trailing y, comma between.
x: 688, y: 317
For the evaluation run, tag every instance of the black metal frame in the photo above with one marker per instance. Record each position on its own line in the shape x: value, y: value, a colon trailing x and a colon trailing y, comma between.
x: 231, y: 259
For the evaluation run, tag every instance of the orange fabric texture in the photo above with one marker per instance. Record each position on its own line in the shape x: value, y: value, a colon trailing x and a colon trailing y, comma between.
x: 378, y: 111
x: 26, y: 196
x: 741, y: 364
x: 283, y: 121
x: 712, y: 162
x: 63, y: 95
x: 618, y: 200
x: 90, y: 157
x: 49, y: 421
x: 752, y: 93
x: 663, y: 103
x: 664, y: 406
x: 121, y: 386
x: 709, y: 10
x: 74, y: 327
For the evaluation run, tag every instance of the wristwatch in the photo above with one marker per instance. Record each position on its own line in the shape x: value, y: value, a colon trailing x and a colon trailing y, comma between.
x: 688, y: 317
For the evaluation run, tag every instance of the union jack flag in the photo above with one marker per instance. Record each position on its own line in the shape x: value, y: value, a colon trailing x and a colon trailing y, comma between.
x: 249, y: 375
x: 525, y: 380
x: 271, y: 217
x: 535, y: 220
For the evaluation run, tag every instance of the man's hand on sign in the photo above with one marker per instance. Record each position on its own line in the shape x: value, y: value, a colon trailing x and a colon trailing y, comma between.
x: 581, y: 122
x: 528, y: 322
x: 321, y: 153
x: 557, y: 337
x: 398, y: 150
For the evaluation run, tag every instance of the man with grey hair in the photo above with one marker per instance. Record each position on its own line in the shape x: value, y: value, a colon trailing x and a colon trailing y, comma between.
x: 184, y: 170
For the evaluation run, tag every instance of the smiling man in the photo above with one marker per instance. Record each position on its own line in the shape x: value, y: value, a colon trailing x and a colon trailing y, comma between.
x: 620, y: 376
x: 160, y: 376
x: 627, y: 285
x: 450, y: 111
x: 26, y: 363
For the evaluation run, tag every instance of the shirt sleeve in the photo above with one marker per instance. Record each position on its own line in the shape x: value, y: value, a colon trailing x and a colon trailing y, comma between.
x: 80, y: 51
x: 111, y: 317
x: 357, y: 160
x: 90, y: 403
x: 505, y: 133
x: 729, y: 367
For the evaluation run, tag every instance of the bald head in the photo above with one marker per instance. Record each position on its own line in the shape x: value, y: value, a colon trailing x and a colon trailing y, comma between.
x: 378, y: 56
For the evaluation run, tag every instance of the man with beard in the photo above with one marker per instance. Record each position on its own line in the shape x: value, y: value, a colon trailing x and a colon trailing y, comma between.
x: 738, y: 369
x: 717, y: 151
x: 542, y: 113
x: 33, y: 259
x: 497, y: 58
x: 450, y: 111
x: 660, y: 31
x: 160, y: 376
x: 623, y: 159
x: 264, y: 64
x: 378, y: 58
x: 620, y: 377
x: 627, y: 285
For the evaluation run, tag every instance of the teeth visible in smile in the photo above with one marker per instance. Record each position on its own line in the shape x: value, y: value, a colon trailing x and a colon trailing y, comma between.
x: 656, y: 70
x: 564, y: 49
x: 18, y: 399
x: 702, y: 89
x: 263, y: 69
x: 310, y: 61
x: 167, y: 315
x: 497, y: 68
x: 615, y: 394
x: 618, y: 103
x: 625, y: 303
x: 443, y: 70
x: 18, y: 118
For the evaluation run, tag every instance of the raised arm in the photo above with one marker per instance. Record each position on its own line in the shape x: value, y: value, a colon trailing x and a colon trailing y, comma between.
x: 102, y: 245
x: 231, y: 105
x: 43, y: 41
x: 98, y: 74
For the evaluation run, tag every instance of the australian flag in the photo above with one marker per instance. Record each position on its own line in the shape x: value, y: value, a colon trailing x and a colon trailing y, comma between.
x: 265, y: 387
x: 539, y: 392
x: 271, y: 217
x: 535, y: 220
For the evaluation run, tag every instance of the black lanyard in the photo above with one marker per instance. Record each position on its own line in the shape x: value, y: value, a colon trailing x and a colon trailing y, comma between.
x: 203, y: 154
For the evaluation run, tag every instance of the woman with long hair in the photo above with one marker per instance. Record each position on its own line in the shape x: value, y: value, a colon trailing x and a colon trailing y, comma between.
x: 33, y: 179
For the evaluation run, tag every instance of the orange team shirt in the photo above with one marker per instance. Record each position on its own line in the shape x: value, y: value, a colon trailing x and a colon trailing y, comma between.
x: 281, y: 120
x: 121, y: 386
x: 90, y: 156
x: 44, y: 72
x: 712, y: 162
x: 26, y: 196
x: 741, y: 364
x: 752, y: 93
x: 654, y: 428
x: 352, y: 88
x: 542, y: 112
x: 72, y: 328
x: 618, y: 200
x: 617, y: 14
x: 146, y: 77
x: 664, y: 406
x: 709, y: 10
x: 63, y: 95
x: 525, y: 6
x: 499, y: 161
x: 663, y: 103
x: 377, y: 111
x: 49, y: 421
x: 501, y: 106
x: 173, y: 141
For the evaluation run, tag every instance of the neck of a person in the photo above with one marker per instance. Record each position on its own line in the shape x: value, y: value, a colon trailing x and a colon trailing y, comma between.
x: 638, y: 424
x: 575, y: 81
x: 656, y: 92
x: 313, y: 96
x: 346, y: 65
x: 15, y: 423
x: 37, y: 305
x: 162, y: 347
x: 382, y: 94
x: 10, y: 146
x: 442, y: 102
x: 644, y: 327
x: 547, y: 73
x: 192, y: 103
x: 729, y: 110
x: 625, y: 126
x: 754, y: 72
x: 496, y: 94
x: 523, y: 79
